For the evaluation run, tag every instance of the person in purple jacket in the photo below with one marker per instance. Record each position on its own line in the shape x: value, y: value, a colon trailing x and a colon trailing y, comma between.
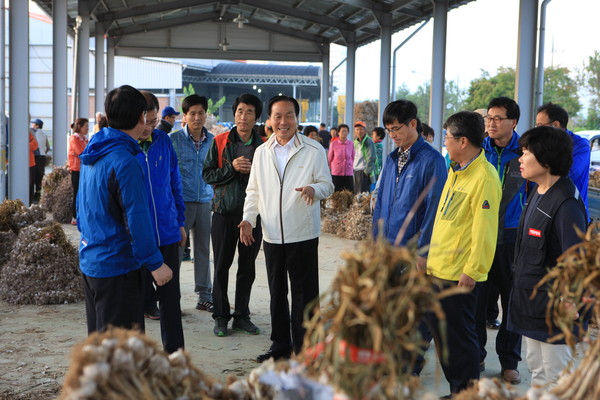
x: 341, y: 158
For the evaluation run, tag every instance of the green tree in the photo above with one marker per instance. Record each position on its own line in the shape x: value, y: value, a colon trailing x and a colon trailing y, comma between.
x: 453, y: 99
x: 213, y: 107
x: 189, y: 90
x: 560, y: 88
x: 590, y: 80
x: 486, y: 87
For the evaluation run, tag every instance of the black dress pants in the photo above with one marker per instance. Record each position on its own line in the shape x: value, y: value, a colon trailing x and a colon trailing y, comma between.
x: 169, y: 296
x: 115, y: 301
x: 225, y: 236
x: 508, y: 344
x: 461, y: 346
x: 300, y: 261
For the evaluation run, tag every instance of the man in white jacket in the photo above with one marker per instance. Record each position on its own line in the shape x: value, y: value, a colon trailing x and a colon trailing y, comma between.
x: 289, y: 177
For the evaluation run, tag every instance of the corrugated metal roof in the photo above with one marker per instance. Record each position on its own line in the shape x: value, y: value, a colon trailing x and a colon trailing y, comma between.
x: 265, y: 69
x: 294, y: 30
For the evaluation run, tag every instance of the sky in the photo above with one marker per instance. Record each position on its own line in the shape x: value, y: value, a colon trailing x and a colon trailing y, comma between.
x: 481, y: 35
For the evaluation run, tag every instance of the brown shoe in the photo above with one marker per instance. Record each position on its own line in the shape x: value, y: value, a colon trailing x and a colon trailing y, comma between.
x: 511, y: 376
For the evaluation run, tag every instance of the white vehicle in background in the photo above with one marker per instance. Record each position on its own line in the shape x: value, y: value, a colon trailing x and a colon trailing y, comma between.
x: 594, y: 138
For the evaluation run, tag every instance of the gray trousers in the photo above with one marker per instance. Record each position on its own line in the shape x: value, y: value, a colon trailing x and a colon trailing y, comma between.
x: 197, y: 219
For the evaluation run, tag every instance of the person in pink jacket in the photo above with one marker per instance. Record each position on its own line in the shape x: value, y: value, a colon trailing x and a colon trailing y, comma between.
x: 341, y: 159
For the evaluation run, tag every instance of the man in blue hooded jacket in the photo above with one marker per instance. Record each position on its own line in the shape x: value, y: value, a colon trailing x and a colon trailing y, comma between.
x: 502, y: 151
x: 112, y: 215
x: 165, y: 201
x: 550, y: 114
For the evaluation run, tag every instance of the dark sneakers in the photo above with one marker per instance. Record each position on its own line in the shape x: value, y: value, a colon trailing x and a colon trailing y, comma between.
x: 152, y: 313
x: 245, y: 325
x: 220, y: 328
x: 275, y: 355
x: 205, y: 306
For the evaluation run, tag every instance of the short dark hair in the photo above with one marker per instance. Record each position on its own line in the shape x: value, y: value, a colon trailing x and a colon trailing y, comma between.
x: 251, y: 100
x: 151, y: 100
x: 322, y: 125
x: 380, y: 132
x: 399, y: 110
x: 419, y: 126
x: 78, y: 124
x: 123, y: 107
x: 427, y: 130
x: 512, y: 108
x: 552, y: 148
x: 194, y: 100
x: 555, y: 113
x: 343, y: 126
x: 308, y: 129
x: 277, y: 99
x: 468, y: 124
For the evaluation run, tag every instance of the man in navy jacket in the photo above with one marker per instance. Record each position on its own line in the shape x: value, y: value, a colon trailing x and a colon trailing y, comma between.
x: 408, y: 170
x: 113, y: 218
x: 165, y: 201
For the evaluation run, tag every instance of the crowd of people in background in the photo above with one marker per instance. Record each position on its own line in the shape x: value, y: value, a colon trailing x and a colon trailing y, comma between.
x: 491, y: 216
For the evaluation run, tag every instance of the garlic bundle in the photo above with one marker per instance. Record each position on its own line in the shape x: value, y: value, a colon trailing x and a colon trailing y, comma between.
x: 42, y: 268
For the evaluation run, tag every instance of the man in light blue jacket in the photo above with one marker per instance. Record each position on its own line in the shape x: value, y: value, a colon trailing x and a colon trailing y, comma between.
x: 191, y: 145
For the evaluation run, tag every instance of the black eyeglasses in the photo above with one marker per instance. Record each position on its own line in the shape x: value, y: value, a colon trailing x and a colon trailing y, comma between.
x: 394, y: 129
x: 546, y: 124
x: 496, y: 119
x: 447, y: 137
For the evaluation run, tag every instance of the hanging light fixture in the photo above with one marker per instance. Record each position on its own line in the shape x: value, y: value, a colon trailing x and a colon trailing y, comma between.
x: 224, y: 44
x: 240, y: 20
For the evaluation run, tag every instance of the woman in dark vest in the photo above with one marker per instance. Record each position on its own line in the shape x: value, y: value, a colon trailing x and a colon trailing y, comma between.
x: 547, y: 228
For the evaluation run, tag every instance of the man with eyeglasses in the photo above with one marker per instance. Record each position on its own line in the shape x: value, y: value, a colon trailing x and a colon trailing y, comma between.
x: 502, y: 151
x: 463, y: 242
x: 165, y: 203
x: 191, y: 145
x: 550, y: 114
x: 409, y: 169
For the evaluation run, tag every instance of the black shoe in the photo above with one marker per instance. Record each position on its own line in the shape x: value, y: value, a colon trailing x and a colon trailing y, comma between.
x: 220, y: 328
x: 152, y: 313
x: 245, y: 325
x: 205, y: 306
x: 276, y: 355
x: 186, y: 257
x: 493, y: 324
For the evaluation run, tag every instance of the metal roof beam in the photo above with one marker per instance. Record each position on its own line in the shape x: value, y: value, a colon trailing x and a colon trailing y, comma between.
x: 303, y: 15
x: 140, y: 11
x: 217, y: 54
x: 400, y: 7
x: 168, y: 23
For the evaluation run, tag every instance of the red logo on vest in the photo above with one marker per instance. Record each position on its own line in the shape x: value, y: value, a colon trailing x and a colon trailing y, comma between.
x: 535, y: 232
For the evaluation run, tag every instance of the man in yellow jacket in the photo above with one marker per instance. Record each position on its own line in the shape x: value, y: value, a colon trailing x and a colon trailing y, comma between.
x: 463, y: 242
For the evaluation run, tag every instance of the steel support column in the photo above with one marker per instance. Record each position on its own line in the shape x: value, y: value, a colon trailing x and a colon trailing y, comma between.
x: 18, y: 159
x: 83, y: 62
x: 539, y: 94
x: 325, y: 85
x: 99, y: 68
x: 110, y: 64
x: 438, y: 70
x: 60, y: 120
x: 528, y: 13
x: 350, y: 72
x: 3, y: 130
x: 385, y: 20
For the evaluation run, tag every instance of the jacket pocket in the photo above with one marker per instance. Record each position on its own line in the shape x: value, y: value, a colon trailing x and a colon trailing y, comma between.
x: 535, y: 251
x: 453, y: 204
